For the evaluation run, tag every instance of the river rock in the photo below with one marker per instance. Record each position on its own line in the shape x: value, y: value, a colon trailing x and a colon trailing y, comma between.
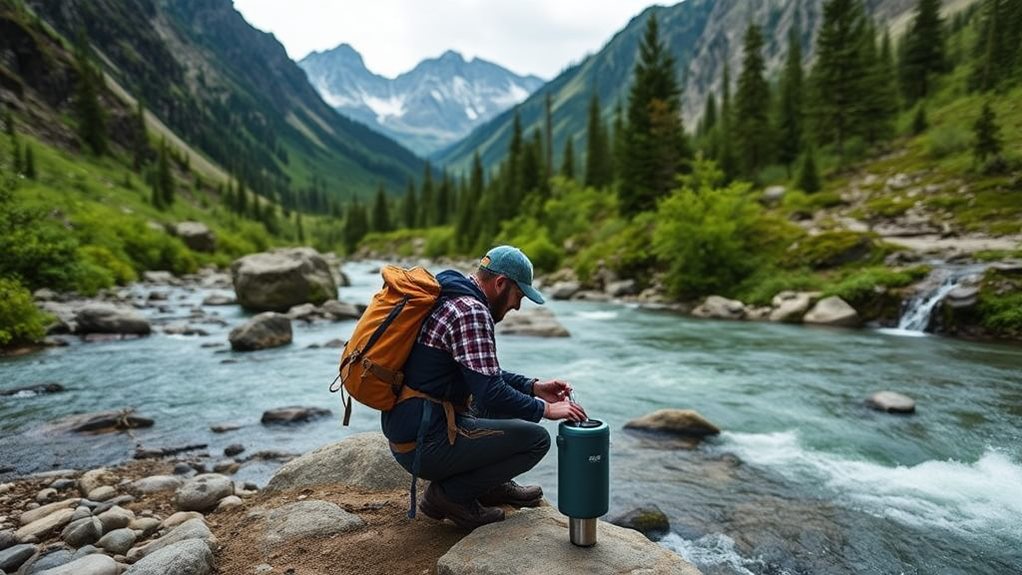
x: 196, y: 236
x: 891, y: 402
x: 94, y: 479
x: 590, y: 295
x: 191, y: 529
x: 564, y: 289
x: 293, y: 414
x: 649, y: 520
x: 229, y: 502
x: 82, y: 532
x: 180, y: 517
x: 717, y: 307
x: 103, y: 493
x: 158, y: 277
x: 362, y: 460
x: 40, y: 512
x: 116, y: 517
x: 52, y: 559
x: 111, y: 503
x: 621, y: 288
x: 108, y: 318
x: 12, y: 557
x: 7, y: 539
x: 92, y: 564
x: 789, y: 306
x: 773, y: 194
x: 147, y: 525
x: 117, y: 542
x: 218, y: 299
x: 278, y: 280
x: 496, y: 549
x: 202, y: 492
x: 340, y: 311
x: 685, y: 422
x: 41, y: 527
x: 46, y: 495
x: 306, y: 312
x: 962, y: 297
x: 234, y: 449
x: 266, y: 330
x: 188, y: 557
x: 100, y: 422
x: 308, y: 519
x: 156, y: 483
x: 30, y: 390
x: 833, y: 311
x: 536, y: 322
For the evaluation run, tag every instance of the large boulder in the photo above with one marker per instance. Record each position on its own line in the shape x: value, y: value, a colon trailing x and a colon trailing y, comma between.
x: 196, y: 236
x: 536, y: 322
x: 833, y: 311
x: 362, y: 460
x: 202, y: 492
x: 108, y: 318
x: 789, y: 306
x: 564, y: 289
x: 685, y: 422
x: 717, y: 307
x: 268, y: 329
x: 281, y: 279
x: 188, y: 557
x: 308, y: 519
x: 496, y: 549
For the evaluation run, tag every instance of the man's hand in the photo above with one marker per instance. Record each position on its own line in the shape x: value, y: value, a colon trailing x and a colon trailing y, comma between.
x: 551, y: 391
x: 565, y: 410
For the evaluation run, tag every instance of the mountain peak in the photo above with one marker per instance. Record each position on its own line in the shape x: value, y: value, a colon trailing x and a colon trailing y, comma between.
x: 451, y: 56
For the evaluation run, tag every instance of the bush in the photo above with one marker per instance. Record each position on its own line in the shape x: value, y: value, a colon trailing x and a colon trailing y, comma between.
x: 20, y: 320
x: 830, y: 249
x: 706, y: 235
x: 621, y: 246
x: 945, y: 140
x: 859, y: 286
x: 761, y: 287
x: 531, y: 237
x: 439, y: 242
x: 33, y: 248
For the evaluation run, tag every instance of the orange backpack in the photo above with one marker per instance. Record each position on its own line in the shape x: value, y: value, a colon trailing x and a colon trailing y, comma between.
x: 371, y: 362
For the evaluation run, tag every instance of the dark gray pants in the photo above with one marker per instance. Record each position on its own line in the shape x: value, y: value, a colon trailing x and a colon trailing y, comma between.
x: 486, y: 453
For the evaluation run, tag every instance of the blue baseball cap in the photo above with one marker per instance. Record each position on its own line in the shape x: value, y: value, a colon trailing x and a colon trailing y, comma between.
x: 513, y: 264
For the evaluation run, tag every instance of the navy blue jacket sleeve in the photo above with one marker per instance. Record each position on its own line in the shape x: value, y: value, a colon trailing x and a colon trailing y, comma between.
x: 519, y: 382
x: 493, y: 394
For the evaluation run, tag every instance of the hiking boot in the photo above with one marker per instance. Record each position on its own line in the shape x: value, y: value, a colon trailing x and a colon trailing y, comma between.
x: 436, y: 505
x: 512, y: 494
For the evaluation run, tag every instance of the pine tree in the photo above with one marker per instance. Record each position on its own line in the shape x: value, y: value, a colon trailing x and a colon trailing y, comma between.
x: 470, y: 210
x: 164, y: 179
x: 919, y: 123
x: 512, y: 172
x: 727, y: 160
x: 808, y: 179
x: 568, y: 159
x: 444, y: 201
x: 839, y: 72
x: 597, y: 147
x: 879, y: 100
x: 30, y: 171
x: 986, y: 131
x: 791, y: 112
x: 427, y: 207
x: 410, y: 207
x: 532, y: 165
x: 299, y: 230
x: 619, y: 143
x: 356, y: 226
x: 752, y: 126
x: 924, y: 52
x: 16, y: 157
x: 141, y: 147
x: 9, y: 122
x: 381, y: 211
x: 709, y: 119
x: 997, y: 53
x: 549, y: 137
x: 90, y: 116
x: 655, y: 147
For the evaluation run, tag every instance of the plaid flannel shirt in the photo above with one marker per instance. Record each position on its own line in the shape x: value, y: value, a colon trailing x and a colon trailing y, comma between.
x: 463, y: 327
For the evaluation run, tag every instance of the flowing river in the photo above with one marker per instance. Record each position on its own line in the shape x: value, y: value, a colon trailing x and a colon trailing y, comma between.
x: 805, y: 478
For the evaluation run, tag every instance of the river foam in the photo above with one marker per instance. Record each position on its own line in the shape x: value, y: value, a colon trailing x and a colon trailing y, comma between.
x: 979, y: 499
x: 715, y: 550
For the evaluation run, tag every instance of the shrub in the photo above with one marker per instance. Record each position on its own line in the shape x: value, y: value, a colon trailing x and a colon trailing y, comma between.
x: 830, y: 249
x: 761, y: 287
x: 439, y: 242
x: 20, y: 320
x: 859, y: 286
x: 945, y: 140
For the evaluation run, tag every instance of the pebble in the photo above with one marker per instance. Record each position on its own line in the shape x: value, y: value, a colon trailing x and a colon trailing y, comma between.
x: 62, y: 484
x: 117, y: 541
x: 82, y: 532
x: 234, y: 449
x: 46, y: 495
x: 116, y: 517
x: 179, y: 518
x: 229, y: 502
x: 102, y: 493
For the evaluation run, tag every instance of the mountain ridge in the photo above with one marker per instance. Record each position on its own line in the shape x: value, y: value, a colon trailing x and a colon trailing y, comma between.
x: 426, y: 108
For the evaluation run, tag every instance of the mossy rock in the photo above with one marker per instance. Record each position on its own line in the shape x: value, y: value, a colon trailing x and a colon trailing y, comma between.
x: 832, y: 249
x: 649, y: 520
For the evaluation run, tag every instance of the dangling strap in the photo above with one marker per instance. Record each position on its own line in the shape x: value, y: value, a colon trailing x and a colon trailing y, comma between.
x: 427, y: 411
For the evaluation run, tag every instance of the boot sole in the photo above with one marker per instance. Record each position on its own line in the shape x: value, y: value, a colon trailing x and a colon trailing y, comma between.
x: 434, y: 513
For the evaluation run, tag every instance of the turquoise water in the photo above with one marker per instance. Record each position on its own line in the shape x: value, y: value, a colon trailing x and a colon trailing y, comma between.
x: 804, y: 479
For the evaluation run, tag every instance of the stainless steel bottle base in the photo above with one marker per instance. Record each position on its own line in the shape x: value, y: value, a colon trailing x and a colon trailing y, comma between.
x: 582, y: 531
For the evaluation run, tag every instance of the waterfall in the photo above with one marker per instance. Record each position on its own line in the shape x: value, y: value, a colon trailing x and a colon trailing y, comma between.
x: 916, y: 316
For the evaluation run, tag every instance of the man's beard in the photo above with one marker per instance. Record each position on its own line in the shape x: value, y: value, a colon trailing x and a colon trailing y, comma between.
x: 499, y: 308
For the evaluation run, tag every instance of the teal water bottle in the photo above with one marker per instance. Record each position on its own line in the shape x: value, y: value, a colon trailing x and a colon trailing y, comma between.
x: 583, y: 477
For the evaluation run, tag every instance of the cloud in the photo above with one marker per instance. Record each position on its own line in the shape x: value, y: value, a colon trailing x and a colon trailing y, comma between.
x: 527, y: 36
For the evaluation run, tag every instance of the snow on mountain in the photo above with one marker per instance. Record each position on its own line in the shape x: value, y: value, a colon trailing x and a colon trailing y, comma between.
x: 435, y: 104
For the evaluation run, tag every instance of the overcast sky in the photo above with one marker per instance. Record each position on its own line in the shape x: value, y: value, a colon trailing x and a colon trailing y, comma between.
x: 540, y: 37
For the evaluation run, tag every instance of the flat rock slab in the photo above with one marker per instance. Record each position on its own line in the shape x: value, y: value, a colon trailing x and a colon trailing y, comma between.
x: 497, y: 549
x: 293, y: 414
x: 99, y: 422
x: 362, y: 460
x: 891, y: 402
x: 685, y: 422
x: 308, y: 519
